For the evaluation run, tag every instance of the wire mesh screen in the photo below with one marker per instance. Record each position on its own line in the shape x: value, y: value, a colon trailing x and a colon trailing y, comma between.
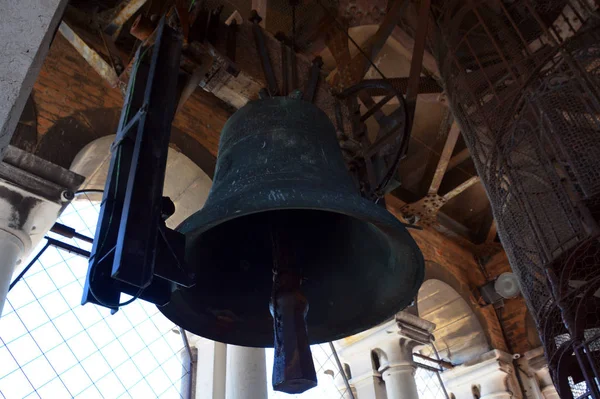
x: 52, y: 347
x: 522, y: 80
x: 429, y: 383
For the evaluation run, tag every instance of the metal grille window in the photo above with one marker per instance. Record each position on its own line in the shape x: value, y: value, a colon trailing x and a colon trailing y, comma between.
x: 52, y: 347
x: 429, y: 384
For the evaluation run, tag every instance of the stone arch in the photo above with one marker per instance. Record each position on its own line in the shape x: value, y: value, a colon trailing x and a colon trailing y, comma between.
x: 378, y: 357
x: 61, y: 143
x: 462, y: 330
x: 185, y: 182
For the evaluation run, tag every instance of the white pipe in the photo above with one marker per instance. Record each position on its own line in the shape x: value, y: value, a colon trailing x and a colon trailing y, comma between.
x: 11, y: 250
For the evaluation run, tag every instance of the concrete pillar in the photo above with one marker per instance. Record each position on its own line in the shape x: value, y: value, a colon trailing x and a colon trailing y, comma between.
x: 535, y: 366
x: 210, y: 368
x: 11, y: 250
x: 246, y: 373
x: 26, y: 29
x: 491, y: 376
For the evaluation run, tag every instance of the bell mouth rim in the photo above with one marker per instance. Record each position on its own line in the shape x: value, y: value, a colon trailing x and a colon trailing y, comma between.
x: 347, y: 204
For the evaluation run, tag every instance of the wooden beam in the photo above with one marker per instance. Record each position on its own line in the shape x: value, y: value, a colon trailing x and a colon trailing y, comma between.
x: 416, y: 61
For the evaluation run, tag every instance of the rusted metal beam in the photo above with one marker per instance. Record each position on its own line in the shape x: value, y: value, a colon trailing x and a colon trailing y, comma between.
x: 426, y: 85
x: 378, y: 40
x: 99, y: 64
x: 459, y: 158
x: 263, y: 54
x: 461, y: 187
x: 442, y: 164
x: 363, y: 12
x: 116, y: 24
x: 408, y: 43
x: 350, y: 72
x: 238, y: 90
x: 416, y: 62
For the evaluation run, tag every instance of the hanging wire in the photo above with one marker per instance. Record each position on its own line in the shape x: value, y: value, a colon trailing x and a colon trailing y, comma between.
x: 342, y: 372
x: 437, y: 355
x: 90, y: 191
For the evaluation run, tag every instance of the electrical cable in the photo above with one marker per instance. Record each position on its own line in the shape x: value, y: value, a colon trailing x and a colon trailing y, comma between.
x: 90, y: 191
x: 342, y: 372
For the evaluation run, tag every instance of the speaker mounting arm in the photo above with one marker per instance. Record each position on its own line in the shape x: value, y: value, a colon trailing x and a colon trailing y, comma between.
x: 134, y: 252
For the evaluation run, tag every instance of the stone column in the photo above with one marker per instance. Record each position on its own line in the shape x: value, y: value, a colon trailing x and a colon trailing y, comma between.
x: 380, y: 359
x: 210, y: 368
x: 246, y: 373
x: 11, y: 250
x: 369, y: 386
x: 535, y: 366
x: 26, y: 29
x: 397, y: 365
x: 33, y: 193
x: 491, y: 376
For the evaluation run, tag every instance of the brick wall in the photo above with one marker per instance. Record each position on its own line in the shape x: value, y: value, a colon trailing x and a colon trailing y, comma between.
x: 461, y: 272
x: 519, y: 326
x: 75, y: 105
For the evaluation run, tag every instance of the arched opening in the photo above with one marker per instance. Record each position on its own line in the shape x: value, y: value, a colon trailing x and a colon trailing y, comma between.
x: 185, y: 182
x: 458, y: 334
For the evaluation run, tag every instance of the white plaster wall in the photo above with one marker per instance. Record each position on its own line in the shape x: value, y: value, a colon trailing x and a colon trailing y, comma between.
x: 458, y: 335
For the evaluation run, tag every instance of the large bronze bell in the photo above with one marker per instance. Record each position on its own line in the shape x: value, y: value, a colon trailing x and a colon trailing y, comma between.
x: 284, y: 226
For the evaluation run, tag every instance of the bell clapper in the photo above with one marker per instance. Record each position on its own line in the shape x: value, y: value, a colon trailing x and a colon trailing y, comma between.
x: 293, y: 367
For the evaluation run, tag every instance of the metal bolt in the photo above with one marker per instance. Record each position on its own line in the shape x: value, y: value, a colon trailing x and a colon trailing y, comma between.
x: 67, y: 195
